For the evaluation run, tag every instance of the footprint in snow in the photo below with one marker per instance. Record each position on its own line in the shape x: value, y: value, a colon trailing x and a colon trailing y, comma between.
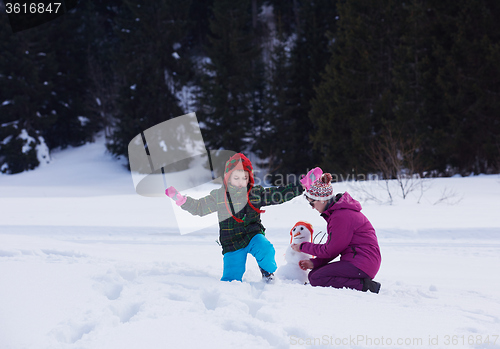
x: 72, y: 332
x: 210, y: 299
x: 253, y: 307
x: 126, y: 312
x: 110, y: 285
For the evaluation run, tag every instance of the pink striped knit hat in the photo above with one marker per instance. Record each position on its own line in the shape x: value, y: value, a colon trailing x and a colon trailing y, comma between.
x: 321, y: 189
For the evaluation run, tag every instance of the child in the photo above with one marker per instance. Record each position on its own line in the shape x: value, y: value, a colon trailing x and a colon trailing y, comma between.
x: 237, y: 204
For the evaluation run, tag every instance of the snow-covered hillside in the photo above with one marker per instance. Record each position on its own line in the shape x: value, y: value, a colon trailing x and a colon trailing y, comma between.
x: 87, y: 263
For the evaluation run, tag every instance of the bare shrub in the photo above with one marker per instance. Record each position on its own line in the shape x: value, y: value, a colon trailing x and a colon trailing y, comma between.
x: 398, y: 168
x: 449, y: 196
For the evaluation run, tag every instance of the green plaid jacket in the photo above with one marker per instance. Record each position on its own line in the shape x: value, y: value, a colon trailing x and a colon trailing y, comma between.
x: 232, y: 234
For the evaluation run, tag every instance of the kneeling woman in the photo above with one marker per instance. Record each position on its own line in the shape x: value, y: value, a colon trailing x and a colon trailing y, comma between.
x: 350, y: 235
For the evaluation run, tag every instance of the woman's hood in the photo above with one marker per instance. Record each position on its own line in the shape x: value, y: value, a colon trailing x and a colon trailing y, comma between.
x: 345, y: 202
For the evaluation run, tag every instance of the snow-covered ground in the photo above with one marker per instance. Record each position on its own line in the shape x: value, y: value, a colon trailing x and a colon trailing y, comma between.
x: 87, y: 263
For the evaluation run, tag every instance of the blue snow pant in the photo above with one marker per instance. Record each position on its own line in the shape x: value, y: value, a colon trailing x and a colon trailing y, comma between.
x: 339, y: 275
x: 235, y: 262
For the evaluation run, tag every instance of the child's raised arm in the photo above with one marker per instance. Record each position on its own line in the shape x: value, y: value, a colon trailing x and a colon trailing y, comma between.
x: 279, y: 195
x: 197, y: 207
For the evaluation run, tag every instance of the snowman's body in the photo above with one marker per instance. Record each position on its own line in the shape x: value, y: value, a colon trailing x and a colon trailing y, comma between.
x: 291, y: 270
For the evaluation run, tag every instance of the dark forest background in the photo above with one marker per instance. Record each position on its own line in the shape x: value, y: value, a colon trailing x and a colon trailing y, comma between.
x: 351, y: 86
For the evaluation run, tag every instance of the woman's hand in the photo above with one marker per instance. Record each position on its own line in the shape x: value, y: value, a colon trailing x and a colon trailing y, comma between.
x: 295, y: 247
x: 306, y: 264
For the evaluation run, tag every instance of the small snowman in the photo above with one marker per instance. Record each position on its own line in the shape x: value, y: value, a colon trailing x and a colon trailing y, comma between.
x: 301, y: 232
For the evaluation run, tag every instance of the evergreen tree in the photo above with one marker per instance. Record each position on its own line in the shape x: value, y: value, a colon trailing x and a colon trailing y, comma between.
x: 467, y: 48
x: 44, y: 87
x: 354, y: 96
x: 228, y: 100
x: 427, y: 74
x: 299, y: 61
x: 153, y: 64
x: 27, y: 68
x: 267, y: 147
x: 68, y: 41
x: 199, y: 17
x: 413, y: 80
x: 101, y: 97
x: 286, y: 15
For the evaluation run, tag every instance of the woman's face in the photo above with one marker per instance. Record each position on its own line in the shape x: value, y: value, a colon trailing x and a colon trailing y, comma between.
x: 317, y: 204
x: 239, y: 179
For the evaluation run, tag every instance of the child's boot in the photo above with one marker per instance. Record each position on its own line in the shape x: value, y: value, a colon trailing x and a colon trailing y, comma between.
x: 266, y: 277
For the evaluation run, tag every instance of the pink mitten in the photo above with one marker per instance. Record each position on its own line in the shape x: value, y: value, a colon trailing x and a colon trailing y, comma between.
x: 311, y: 177
x: 171, y: 192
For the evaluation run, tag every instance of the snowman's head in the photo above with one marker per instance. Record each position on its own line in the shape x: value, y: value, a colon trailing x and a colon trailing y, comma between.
x: 301, y: 232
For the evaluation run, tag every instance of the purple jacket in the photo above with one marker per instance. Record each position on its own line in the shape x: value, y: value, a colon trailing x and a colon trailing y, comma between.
x: 350, y: 234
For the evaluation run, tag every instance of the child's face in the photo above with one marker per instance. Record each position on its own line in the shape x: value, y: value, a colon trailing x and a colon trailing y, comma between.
x: 239, y: 178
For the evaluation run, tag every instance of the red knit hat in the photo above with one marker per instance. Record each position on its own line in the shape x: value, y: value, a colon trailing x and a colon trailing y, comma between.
x: 239, y: 162
x: 321, y: 189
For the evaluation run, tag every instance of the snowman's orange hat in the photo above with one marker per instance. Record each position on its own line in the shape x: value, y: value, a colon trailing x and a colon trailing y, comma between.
x: 305, y: 224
